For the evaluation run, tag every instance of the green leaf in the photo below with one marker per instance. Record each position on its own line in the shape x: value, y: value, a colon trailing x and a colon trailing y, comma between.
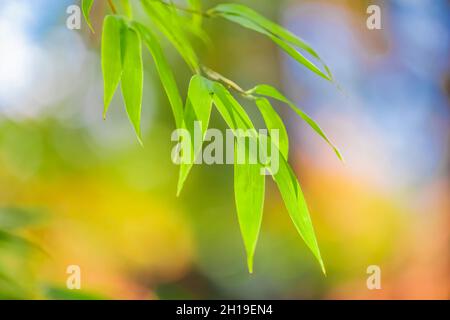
x: 198, y: 108
x: 86, y: 6
x: 127, y: 8
x: 250, y: 19
x: 167, y: 21
x: 295, y: 202
x: 111, y: 58
x: 229, y: 108
x: 274, y: 122
x: 196, y: 5
x: 236, y: 118
x: 269, y: 91
x: 132, y: 77
x: 165, y: 72
x: 249, y: 182
x: 249, y: 187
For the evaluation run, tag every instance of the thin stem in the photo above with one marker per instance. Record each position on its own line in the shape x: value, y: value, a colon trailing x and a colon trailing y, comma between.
x: 188, y: 10
x: 112, y: 6
x: 212, y: 75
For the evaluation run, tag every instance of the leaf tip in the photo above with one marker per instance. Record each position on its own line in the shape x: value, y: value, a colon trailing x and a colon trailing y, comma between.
x: 322, y: 266
x: 91, y: 28
x: 250, y: 264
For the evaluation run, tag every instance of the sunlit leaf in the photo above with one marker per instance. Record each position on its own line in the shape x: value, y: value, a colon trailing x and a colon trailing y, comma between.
x: 230, y: 109
x: 249, y: 186
x: 250, y: 19
x: 111, y: 58
x: 127, y: 8
x: 295, y: 202
x: 132, y: 77
x: 86, y: 6
x: 165, y: 72
x: 236, y: 118
x: 196, y: 6
x: 198, y: 108
x: 274, y: 122
x: 269, y: 91
x: 166, y: 20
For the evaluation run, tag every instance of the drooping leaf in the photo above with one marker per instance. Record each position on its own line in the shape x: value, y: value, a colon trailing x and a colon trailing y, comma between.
x: 167, y: 21
x: 249, y: 187
x: 274, y: 122
x: 269, y: 91
x: 295, y: 202
x: 236, y: 118
x: 229, y: 108
x: 111, y: 58
x: 127, y: 8
x: 86, y: 6
x: 132, y: 77
x: 249, y: 182
x: 250, y: 19
x: 165, y: 72
x: 198, y: 108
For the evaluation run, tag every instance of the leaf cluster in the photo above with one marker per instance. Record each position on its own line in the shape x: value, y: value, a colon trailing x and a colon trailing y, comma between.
x: 122, y: 63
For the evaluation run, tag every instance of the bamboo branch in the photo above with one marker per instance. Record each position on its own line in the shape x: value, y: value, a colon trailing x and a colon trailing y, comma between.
x: 112, y: 6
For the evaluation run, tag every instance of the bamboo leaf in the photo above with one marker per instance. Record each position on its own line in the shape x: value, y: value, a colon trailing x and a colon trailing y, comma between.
x: 230, y: 109
x: 196, y: 5
x: 250, y: 19
x: 127, y: 8
x: 111, y: 58
x: 274, y: 122
x: 269, y: 91
x: 86, y: 6
x: 198, y: 108
x: 249, y: 182
x: 295, y: 202
x: 249, y: 187
x: 236, y: 118
x: 166, y: 20
x: 165, y: 72
x: 132, y: 77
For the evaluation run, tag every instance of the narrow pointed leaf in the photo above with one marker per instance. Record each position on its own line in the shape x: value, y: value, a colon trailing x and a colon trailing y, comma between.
x: 198, y: 108
x: 250, y: 19
x: 274, y: 28
x: 127, y: 8
x: 236, y: 118
x: 249, y: 183
x: 86, y: 6
x: 249, y: 186
x: 167, y: 21
x: 269, y: 91
x: 165, y: 72
x: 196, y: 5
x: 230, y: 109
x: 295, y: 202
x: 111, y: 58
x: 274, y: 122
x: 132, y: 77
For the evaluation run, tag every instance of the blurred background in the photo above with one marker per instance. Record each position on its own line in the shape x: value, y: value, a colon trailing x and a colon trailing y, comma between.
x: 77, y: 190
